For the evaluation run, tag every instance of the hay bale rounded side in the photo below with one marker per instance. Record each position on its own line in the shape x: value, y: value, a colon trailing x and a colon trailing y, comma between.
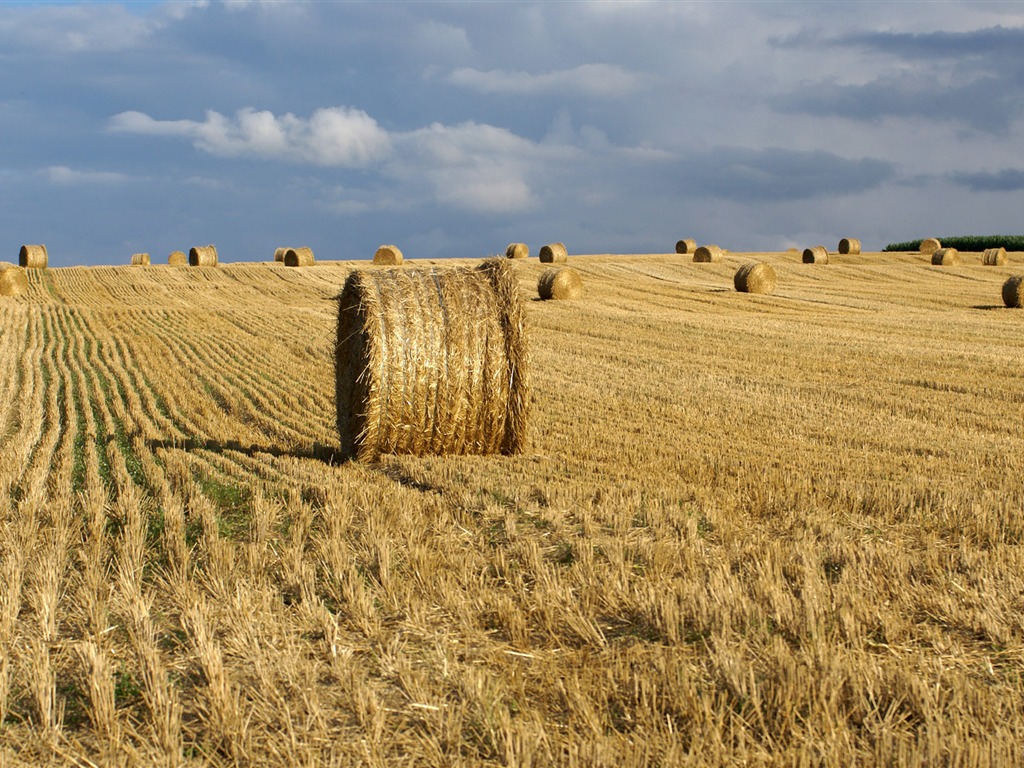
x: 849, y: 246
x: 203, y: 256
x: 560, y: 283
x: 140, y: 260
x: 686, y: 245
x: 929, y: 246
x: 177, y: 259
x: 517, y: 251
x: 33, y: 257
x: 554, y: 253
x: 946, y: 257
x: 755, y: 277
x: 1013, y: 291
x: 388, y: 255
x: 13, y: 280
x: 299, y: 257
x: 279, y: 254
x: 994, y: 257
x: 432, y: 361
x: 816, y: 254
x: 707, y: 254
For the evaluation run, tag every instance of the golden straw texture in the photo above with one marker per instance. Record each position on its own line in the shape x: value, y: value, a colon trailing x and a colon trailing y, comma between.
x: 279, y: 254
x: 686, y: 246
x: 707, y: 254
x: 994, y: 257
x: 299, y: 257
x: 560, y: 283
x: 177, y: 259
x: 203, y: 256
x: 140, y: 260
x: 756, y: 277
x: 946, y: 257
x: 388, y: 255
x: 1013, y: 291
x: 816, y: 254
x: 33, y: 257
x: 849, y: 246
x: 13, y: 280
x: 517, y: 251
x: 930, y: 245
x: 554, y: 253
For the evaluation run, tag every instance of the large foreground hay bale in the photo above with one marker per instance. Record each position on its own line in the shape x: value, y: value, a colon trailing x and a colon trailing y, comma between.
x: 849, y: 246
x: 140, y: 260
x: 707, y: 254
x: 13, y: 280
x: 930, y: 245
x: 299, y: 257
x: 756, y: 277
x: 816, y: 254
x: 203, y: 256
x: 554, y: 253
x: 686, y: 246
x: 946, y: 257
x: 432, y: 361
x: 560, y: 283
x: 177, y: 259
x: 994, y: 257
x: 1013, y: 291
x: 33, y: 257
x: 388, y: 255
x: 517, y: 251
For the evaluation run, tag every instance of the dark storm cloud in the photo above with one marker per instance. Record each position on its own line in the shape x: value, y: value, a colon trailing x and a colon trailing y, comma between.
x: 1008, y: 180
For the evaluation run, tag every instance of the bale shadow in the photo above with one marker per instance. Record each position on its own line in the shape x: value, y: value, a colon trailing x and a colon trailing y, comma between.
x: 328, y: 454
x: 989, y: 306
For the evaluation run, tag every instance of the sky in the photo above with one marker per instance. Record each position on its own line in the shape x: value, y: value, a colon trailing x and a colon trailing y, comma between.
x: 452, y: 129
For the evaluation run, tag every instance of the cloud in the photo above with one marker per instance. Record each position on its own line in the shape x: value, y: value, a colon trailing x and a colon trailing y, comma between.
x: 61, y: 174
x: 1007, y: 180
x: 73, y: 29
x: 602, y: 80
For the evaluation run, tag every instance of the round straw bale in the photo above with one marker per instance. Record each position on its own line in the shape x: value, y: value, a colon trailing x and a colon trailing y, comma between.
x: 946, y: 257
x: 299, y: 257
x: 849, y: 246
x: 707, y: 253
x: 1013, y: 291
x: 517, y: 251
x: 203, y: 256
x: 177, y: 259
x: 560, y: 283
x: 13, y: 280
x: 816, y: 254
x: 140, y: 260
x: 279, y: 254
x: 432, y: 361
x: 929, y: 246
x: 388, y: 255
x: 33, y: 257
x: 994, y: 257
x: 686, y: 246
x: 554, y: 253
x: 755, y: 277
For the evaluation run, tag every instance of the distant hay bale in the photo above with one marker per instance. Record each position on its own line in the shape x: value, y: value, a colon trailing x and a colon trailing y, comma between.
x: 994, y: 257
x: 203, y: 256
x: 560, y: 283
x: 279, y: 254
x: 849, y: 246
x: 1013, y: 291
x: 13, y: 280
x: 707, y: 253
x: 554, y: 253
x: 755, y: 277
x: 140, y: 260
x: 686, y: 246
x: 929, y: 246
x: 177, y: 259
x: 816, y: 254
x: 388, y: 255
x: 517, y: 251
x: 33, y: 257
x: 946, y: 257
x: 432, y: 361
x: 299, y: 257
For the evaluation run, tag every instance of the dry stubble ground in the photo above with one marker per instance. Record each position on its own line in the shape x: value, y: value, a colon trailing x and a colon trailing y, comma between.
x: 753, y: 530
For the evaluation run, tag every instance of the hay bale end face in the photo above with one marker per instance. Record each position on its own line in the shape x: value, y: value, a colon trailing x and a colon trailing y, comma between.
x: 560, y: 283
x: 1013, y: 292
x: 815, y: 255
x: 432, y: 361
x: 930, y: 245
x: 686, y: 246
x: 756, y: 277
x: 849, y: 246
x: 279, y: 254
x: 946, y: 257
x: 554, y: 253
x: 140, y: 260
x: 33, y: 257
x: 203, y: 256
x: 707, y: 254
x: 299, y: 257
x: 388, y: 255
x: 517, y: 251
x: 13, y: 280
x: 177, y: 259
x: 994, y: 257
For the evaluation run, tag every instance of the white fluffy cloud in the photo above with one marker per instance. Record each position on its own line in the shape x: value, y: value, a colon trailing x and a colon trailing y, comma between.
x: 62, y: 174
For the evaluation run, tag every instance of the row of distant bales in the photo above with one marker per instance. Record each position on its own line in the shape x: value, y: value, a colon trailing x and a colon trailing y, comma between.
x: 566, y: 282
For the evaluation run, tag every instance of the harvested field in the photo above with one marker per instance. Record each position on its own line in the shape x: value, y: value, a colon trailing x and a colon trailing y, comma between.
x: 772, y: 530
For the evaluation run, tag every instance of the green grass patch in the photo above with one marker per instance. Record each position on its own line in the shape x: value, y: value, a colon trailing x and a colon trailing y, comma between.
x: 233, y: 502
